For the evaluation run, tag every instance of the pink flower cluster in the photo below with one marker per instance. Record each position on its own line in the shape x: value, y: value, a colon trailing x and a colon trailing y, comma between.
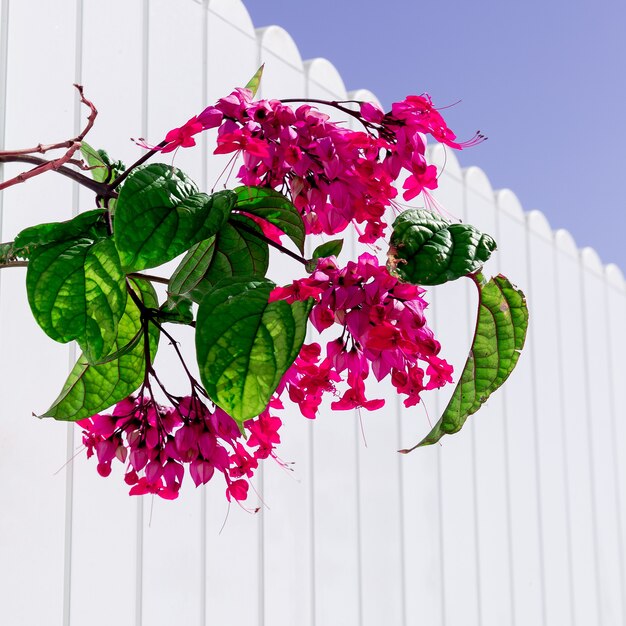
x: 157, y: 442
x: 334, y: 175
x: 383, y: 329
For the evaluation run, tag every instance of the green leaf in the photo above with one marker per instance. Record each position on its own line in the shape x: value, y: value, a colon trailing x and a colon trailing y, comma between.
x: 103, y: 170
x: 245, y: 344
x: 499, y: 338
x: 232, y: 252
x: 160, y: 214
x: 330, y: 248
x: 91, y: 224
x: 427, y: 249
x: 176, y: 311
x: 254, y: 82
x: 273, y: 207
x: 91, y: 389
x: 77, y: 290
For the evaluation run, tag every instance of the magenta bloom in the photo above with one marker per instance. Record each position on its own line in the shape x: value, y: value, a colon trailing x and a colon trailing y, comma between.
x: 383, y: 331
x: 157, y: 443
x: 183, y: 136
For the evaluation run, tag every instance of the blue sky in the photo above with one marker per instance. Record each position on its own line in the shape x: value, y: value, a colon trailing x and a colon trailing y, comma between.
x: 546, y: 81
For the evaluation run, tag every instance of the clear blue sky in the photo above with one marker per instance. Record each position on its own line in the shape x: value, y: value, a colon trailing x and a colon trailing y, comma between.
x: 546, y: 81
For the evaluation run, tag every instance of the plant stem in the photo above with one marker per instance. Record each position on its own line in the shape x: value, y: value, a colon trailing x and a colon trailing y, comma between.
x: 81, y: 179
x: 150, y: 277
x: 269, y: 242
x: 140, y: 161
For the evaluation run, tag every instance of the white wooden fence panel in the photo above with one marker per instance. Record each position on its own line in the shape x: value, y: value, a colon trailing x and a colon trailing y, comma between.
x: 526, y: 574
x: 519, y: 519
x: 542, y: 336
x: 489, y: 449
x: 596, y: 345
x: 616, y: 330
x: 585, y: 580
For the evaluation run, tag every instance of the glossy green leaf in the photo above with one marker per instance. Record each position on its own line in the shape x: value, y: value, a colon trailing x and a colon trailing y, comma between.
x: 498, y: 340
x: 255, y: 81
x: 273, y: 207
x: 426, y: 249
x: 77, y: 291
x: 245, y: 344
x: 91, y: 224
x: 330, y: 248
x: 160, y: 214
x: 91, y: 389
x: 232, y: 252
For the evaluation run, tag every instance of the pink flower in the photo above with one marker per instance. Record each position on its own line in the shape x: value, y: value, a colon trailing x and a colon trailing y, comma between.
x: 183, y: 136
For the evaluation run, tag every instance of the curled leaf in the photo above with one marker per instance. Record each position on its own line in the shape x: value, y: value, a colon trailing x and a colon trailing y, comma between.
x: 426, y: 249
x: 499, y: 338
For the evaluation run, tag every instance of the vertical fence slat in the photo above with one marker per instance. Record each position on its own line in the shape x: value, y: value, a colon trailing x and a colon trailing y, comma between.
x: 542, y: 336
x: 596, y: 342
x: 581, y: 492
x: 616, y: 332
x: 523, y: 496
x: 490, y: 447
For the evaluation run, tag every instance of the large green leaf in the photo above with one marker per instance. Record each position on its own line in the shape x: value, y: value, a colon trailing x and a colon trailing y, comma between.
x: 498, y: 340
x: 426, y: 249
x: 273, y: 207
x: 245, y: 344
x: 76, y: 291
x: 232, y: 252
x: 91, y: 389
x: 90, y: 224
x: 160, y: 214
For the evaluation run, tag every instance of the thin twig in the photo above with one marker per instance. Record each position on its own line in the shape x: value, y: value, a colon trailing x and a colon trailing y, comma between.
x: 150, y: 277
x: 272, y: 243
x: 72, y: 146
x: 81, y: 179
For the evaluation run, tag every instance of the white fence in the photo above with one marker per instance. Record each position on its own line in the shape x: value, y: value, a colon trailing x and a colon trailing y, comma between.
x: 518, y: 520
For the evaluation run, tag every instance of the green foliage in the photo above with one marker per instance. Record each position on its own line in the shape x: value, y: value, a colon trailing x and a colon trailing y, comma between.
x: 160, y: 214
x: 90, y: 224
x: 93, y: 388
x: 103, y: 170
x: 76, y: 291
x: 427, y: 249
x: 255, y: 81
x: 245, y: 344
x: 273, y: 207
x: 330, y: 248
x: 232, y: 252
x: 175, y: 312
x: 498, y: 340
